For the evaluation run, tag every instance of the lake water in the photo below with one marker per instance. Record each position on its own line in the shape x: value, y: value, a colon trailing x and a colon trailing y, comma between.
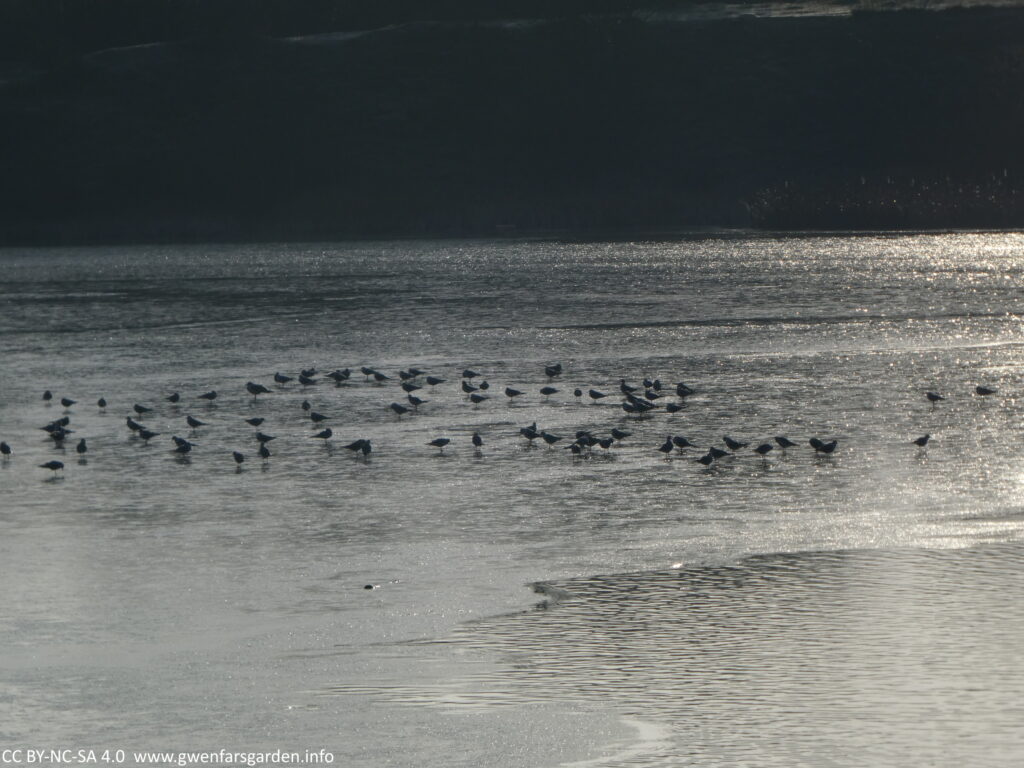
x: 529, y: 608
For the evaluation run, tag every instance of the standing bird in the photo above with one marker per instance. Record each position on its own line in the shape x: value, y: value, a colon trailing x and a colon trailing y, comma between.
x: 147, y: 435
x: 434, y: 381
x: 5, y: 449
x: 478, y: 398
x: 706, y: 459
x: 141, y: 409
x: 380, y: 378
x: 933, y: 397
x: 399, y: 409
x: 469, y: 374
x: 194, y: 423
x: 281, y: 379
x: 681, y: 442
x: 733, y: 445
x: 264, y: 452
x: 67, y: 402
x: 477, y: 440
x: 620, y: 434
x: 81, y: 447
x: 306, y: 381
x: 667, y: 446
x: 324, y: 435
x: 550, y: 439
x: 468, y: 388
x: 484, y: 385
x: 416, y: 402
x: 984, y: 391
x: 47, y: 396
x: 256, y: 389
x: 409, y: 387
x: 439, y: 443
x: 173, y: 397
x: 784, y: 442
x: 548, y: 391
x: 922, y: 442
x: 595, y: 395
x: 512, y: 393
x: 264, y: 438
x: 53, y: 466
x: 209, y: 396
x: 239, y: 458
x: 255, y: 421
x: 306, y: 405
x: 102, y: 403
x: 316, y: 418
x: 763, y: 450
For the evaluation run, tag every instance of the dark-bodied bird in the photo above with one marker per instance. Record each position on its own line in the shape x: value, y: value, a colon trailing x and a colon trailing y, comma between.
x: 706, y: 459
x: 356, y: 445
x: 102, y: 402
x: 409, y: 387
x: 577, y: 392
x: 280, y: 378
x: 717, y: 453
x: 512, y: 393
x: 553, y: 370
x: 530, y: 432
x: 339, y: 376
x: 255, y: 421
x: 181, y: 442
x: 194, y: 423
x: 763, y: 449
x: 606, y: 442
x: 53, y: 466
x: 484, y: 385
x: 239, y: 457
x: 596, y: 395
x: 47, y: 396
x: 133, y: 425
x: 550, y: 439
x: 367, y: 372
x: 548, y: 391
x: 439, y: 443
x: 682, y: 390
x: 316, y: 418
x: 141, y: 409
x: 324, y: 435
x: 264, y: 452
x: 933, y: 397
x: 478, y: 398
x: 468, y: 388
x: 173, y: 397
x: 416, y: 372
x: 209, y: 396
x: 434, y: 381
x: 306, y: 381
x: 264, y: 438
x: 681, y: 442
x: 255, y: 389
x: 380, y: 378
x: 399, y: 409
x: 784, y: 442
x: 416, y: 402
x: 469, y: 374
x: 921, y: 442
x: 733, y: 445
x: 477, y: 440
x: 5, y: 449
x: 674, y: 407
x: 147, y: 434
x: 984, y: 391
x: 405, y: 375
x: 667, y: 446
x: 81, y: 447
x: 67, y: 402
x: 620, y: 434
x: 308, y: 372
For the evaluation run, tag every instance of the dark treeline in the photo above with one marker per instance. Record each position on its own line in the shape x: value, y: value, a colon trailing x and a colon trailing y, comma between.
x: 572, y: 123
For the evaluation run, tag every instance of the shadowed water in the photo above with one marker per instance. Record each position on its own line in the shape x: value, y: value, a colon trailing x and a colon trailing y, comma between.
x: 799, y: 609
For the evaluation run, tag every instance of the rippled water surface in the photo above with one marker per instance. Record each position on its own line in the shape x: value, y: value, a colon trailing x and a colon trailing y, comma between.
x: 529, y: 608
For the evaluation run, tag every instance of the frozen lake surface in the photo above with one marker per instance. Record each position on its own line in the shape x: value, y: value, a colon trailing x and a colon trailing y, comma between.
x: 529, y: 608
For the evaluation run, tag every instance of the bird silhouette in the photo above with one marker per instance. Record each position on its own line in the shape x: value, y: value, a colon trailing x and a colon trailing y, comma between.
x: 53, y: 466
x: 255, y: 389
x: 399, y: 409
x: 209, y: 396
x: 173, y: 397
x: 439, y: 443
x: 194, y: 423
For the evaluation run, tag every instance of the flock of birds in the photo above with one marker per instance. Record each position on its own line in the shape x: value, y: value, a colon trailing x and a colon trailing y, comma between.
x: 636, y: 401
